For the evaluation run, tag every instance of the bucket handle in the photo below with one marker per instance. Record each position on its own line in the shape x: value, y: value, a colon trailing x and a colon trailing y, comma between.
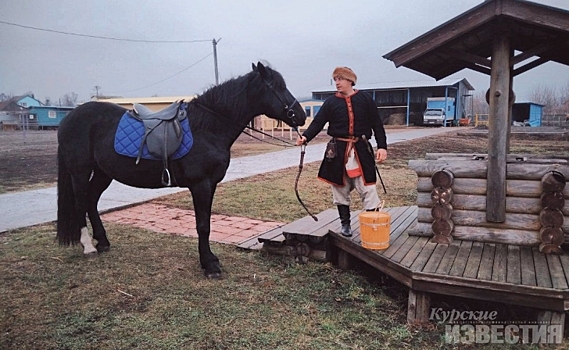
x: 377, y: 208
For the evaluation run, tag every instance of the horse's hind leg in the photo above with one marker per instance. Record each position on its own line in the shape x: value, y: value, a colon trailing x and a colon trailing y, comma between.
x: 98, y: 184
x: 81, y: 190
x: 202, y: 195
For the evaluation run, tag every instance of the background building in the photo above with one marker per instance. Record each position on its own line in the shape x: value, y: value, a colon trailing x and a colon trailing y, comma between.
x: 404, y: 103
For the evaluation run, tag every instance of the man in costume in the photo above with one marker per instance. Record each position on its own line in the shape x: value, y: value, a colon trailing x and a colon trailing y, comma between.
x: 349, y: 162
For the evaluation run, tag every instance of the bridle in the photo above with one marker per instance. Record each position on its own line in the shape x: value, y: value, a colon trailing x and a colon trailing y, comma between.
x: 288, y: 108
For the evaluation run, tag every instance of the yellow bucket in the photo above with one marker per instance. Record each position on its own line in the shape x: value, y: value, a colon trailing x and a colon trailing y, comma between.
x: 374, y: 229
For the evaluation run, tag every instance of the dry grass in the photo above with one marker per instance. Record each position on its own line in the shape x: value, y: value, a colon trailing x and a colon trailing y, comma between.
x: 148, y: 292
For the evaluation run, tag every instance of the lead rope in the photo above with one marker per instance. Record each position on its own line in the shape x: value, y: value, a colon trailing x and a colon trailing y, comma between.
x: 300, y: 166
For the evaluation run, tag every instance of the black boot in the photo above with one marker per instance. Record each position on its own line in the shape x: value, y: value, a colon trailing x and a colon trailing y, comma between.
x: 344, y: 212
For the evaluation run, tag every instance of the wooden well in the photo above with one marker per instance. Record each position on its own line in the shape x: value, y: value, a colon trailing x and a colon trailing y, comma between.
x: 452, y: 199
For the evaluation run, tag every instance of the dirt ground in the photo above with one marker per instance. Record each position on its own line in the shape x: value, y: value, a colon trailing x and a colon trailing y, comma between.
x: 28, y: 159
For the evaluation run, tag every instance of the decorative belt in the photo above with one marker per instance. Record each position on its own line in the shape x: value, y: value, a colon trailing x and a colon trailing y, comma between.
x: 353, y: 139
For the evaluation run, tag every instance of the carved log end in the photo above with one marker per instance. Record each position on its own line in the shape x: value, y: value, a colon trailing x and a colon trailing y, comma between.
x: 551, y: 217
x: 442, y: 239
x: 553, y: 181
x: 552, y: 235
x: 550, y: 249
x: 552, y: 200
x: 441, y: 195
x: 442, y: 178
x: 441, y: 211
x: 442, y: 227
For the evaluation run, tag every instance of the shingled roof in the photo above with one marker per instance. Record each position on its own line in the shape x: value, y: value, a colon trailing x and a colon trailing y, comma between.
x: 465, y: 41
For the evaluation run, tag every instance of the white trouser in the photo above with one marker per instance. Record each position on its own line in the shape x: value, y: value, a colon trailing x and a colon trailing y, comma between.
x: 368, y: 194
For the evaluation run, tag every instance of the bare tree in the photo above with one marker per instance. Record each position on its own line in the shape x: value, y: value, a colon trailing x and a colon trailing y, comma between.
x: 564, y: 99
x: 5, y: 97
x: 548, y: 97
x: 69, y: 99
x: 480, y: 106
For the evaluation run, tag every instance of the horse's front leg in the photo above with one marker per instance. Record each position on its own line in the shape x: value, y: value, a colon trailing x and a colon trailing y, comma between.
x: 202, y: 195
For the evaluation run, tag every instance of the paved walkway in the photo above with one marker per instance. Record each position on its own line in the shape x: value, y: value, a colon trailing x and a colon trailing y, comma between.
x: 163, y: 219
x: 29, y: 208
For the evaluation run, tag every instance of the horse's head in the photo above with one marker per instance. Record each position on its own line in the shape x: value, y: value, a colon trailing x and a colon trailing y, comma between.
x: 278, y: 101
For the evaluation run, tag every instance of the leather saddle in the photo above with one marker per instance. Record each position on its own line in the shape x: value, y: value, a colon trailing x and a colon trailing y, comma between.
x: 163, y: 132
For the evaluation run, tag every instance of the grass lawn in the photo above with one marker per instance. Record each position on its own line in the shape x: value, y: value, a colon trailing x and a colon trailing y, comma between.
x: 149, y: 292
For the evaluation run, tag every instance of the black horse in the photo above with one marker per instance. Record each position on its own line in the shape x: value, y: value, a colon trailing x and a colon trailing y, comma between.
x: 88, y: 162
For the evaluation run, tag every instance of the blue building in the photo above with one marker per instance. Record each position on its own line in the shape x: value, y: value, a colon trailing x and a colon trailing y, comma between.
x: 529, y: 113
x: 46, y: 117
x: 14, y: 111
x: 27, y: 101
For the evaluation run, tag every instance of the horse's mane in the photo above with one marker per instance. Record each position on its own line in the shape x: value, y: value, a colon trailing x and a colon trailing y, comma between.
x: 225, y: 99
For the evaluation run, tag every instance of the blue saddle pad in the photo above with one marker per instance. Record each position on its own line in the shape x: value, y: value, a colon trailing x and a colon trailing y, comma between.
x: 130, y: 133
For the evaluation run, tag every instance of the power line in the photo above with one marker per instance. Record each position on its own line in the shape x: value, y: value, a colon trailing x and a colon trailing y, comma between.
x: 102, y: 37
x: 180, y: 72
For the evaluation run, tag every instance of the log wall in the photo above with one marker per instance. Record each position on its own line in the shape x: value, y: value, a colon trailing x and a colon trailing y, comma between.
x: 524, y: 205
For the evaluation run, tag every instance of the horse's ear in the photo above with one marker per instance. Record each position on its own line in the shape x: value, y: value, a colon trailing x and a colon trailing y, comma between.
x: 254, y: 67
x: 263, y: 71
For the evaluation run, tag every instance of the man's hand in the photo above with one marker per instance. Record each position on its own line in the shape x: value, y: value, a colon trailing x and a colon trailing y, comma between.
x: 301, y: 140
x: 381, y: 155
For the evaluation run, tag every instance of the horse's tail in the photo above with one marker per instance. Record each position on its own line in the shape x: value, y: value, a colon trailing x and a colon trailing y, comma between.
x: 67, y: 229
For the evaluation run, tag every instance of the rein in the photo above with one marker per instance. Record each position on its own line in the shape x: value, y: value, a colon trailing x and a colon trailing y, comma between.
x: 289, y: 144
x: 207, y: 109
x: 300, y: 166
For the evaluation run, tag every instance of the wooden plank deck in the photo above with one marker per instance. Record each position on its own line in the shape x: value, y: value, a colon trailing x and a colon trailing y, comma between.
x: 511, y: 274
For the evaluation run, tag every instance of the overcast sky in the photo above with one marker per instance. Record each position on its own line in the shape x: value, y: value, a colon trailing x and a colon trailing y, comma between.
x: 302, y: 39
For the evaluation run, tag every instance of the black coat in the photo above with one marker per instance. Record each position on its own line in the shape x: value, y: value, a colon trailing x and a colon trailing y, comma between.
x: 356, y: 115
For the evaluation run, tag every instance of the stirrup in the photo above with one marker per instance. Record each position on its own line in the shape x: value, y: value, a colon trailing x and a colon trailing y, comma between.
x: 166, y: 179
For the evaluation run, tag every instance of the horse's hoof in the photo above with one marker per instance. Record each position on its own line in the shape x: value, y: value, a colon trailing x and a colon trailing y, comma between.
x: 103, y: 248
x: 213, y: 275
x: 91, y: 255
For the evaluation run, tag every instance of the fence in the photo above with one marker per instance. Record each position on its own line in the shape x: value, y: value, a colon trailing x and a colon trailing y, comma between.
x: 481, y: 119
x: 561, y: 119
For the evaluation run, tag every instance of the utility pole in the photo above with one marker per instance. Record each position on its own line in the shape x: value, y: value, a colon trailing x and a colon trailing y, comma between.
x: 97, y: 87
x: 215, y: 60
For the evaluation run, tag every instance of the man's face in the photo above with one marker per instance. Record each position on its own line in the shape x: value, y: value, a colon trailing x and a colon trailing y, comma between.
x: 343, y: 86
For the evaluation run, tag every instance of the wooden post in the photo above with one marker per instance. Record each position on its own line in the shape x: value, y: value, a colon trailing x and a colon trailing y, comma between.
x: 344, y: 260
x: 553, y: 319
x: 498, y: 128
x: 418, y: 307
x: 511, y: 100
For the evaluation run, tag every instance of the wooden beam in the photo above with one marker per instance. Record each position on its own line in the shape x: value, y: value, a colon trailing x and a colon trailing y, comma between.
x: 478, y: 69
x: 497, y: 127
x: 531, y: 65
x: 537, y: 14
x: 529, y: 53
x: 468, y: 57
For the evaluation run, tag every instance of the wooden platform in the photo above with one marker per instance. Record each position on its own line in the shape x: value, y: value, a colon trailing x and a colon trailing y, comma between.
x: 518, y: 275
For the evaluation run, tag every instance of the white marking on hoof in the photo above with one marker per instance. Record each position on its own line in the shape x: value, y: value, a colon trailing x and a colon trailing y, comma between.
x: 86, y: 242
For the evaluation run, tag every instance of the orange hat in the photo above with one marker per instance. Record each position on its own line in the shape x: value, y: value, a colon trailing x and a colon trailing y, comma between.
x: 346, y: 73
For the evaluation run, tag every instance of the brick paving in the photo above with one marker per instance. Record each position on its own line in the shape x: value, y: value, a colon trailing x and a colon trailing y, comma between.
x: 163, y: 219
